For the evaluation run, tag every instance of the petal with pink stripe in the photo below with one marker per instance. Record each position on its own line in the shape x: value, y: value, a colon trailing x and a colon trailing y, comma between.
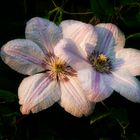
x: 38, y: 92
x: 83, y: 34
x: 73, y: 98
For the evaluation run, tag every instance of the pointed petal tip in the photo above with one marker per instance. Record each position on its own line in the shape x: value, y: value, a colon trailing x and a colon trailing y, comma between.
x: 24, y: 110
x: 23, y: 55
x: 74, y: 99
x: 38, y: 92
x: 133, y: 64
x: 127, y: 85
x: 80, y: 114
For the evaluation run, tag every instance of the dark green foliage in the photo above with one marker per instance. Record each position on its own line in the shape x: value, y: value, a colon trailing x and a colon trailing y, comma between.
x: 128, y: 2
x: 7, y: 96
x: 102, y: 8
x: 8, y: 115
x: 131, y: 15
x: 126, y: 11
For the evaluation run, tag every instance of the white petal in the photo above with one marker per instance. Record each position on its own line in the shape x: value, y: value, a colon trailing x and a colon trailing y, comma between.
x: 67, y: 51
x: 131, y: 60
x: 85, y: 77
x: 44, y: 32
x: 23, y: 56
x: 109, y: 38
x: 73, y: 98
x: 38, y: 92
x: 81, y: 33
x: 96, y: 84
x: 127, y: 85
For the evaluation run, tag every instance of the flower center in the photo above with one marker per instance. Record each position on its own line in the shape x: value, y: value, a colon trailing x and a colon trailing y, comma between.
x: 100, y: 62
x: 58, y: 69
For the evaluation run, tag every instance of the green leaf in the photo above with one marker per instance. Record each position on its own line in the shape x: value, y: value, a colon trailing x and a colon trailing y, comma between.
x: 120, y: 115
x: 131, y: 16
x: 95, y: 7
x: 131, y: 22
x: 102, y: 8
x: 107, y: 6
x: 134, y: 136
x: 8, y: 128
x: 5, y: 110
x: 5, y: 82
x: 7, y: 96
x: 138, y: 16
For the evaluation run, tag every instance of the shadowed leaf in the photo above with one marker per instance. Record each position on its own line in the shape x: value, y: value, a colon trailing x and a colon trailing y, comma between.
x: 7, y: 96
x: 120, y: 115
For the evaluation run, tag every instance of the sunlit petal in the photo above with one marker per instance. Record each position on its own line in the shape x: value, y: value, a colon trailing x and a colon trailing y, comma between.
x: 38, y: 92
x: 127, y: 85
x: 67, y: 51
x: 109, y: 38
x: 23, y: 56
x: 44, y: 32
x: 73, y: 98
x: 81, y: 33
x: 131, y: 60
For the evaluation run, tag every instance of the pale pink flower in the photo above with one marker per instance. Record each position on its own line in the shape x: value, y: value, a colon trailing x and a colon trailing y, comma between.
x: 50, y: 79
x: 105, y: 65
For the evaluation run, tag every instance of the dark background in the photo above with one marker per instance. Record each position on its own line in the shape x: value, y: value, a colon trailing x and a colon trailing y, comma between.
x: 54, y: 123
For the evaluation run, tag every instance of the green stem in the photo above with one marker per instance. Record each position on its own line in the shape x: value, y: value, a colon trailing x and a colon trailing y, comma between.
x: 105, y: 105
x: 55, y: 18
x: 99, y: 118
x: 54, y: 3
x: 73, y: 13
x: 130, y: 36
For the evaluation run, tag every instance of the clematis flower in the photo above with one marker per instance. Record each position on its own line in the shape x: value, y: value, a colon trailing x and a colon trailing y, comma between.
x: 105, y: 64
x: 50, y: 79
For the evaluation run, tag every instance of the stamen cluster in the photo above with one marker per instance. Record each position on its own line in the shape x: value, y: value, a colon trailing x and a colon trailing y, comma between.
x: 58, y: 69
x: 100, y: 62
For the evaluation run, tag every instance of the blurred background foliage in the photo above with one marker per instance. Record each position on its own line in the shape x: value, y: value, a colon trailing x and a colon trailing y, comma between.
x: 113, y: 119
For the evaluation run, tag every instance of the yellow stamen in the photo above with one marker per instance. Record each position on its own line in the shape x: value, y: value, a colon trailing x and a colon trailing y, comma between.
x: 58, y: 66
x: 58, y: 69
x: 102, y: 58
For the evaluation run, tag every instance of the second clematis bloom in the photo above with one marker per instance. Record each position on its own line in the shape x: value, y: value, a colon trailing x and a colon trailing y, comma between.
x: 102, y: 62
x: 50, y: 79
